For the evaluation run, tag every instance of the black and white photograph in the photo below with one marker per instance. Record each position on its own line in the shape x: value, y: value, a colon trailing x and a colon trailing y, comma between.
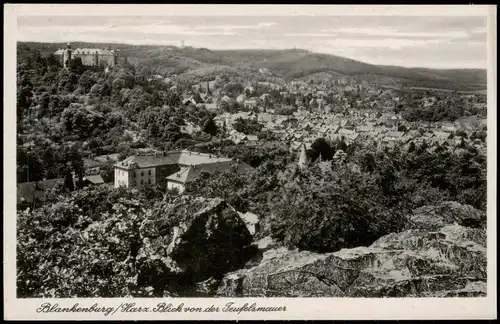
x: 251, y: 155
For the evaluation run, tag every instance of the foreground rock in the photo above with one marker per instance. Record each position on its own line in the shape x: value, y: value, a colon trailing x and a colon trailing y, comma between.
x: 448, y: 262
x: 191, y: 240
x: 449, y: 212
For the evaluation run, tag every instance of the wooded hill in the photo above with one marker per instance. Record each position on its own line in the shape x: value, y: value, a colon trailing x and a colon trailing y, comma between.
x: 288, y: 64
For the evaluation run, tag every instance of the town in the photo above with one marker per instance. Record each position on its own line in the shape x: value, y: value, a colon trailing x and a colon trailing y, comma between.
x: 295, y: 115
x: 169, y: 173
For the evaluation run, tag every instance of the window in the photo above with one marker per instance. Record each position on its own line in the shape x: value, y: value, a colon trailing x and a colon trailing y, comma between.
x: 149, y: 181
x: 142, y: 173
x: 149, y: 172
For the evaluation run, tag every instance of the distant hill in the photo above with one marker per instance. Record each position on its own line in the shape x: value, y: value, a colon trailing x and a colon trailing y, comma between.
x: 288, y: 64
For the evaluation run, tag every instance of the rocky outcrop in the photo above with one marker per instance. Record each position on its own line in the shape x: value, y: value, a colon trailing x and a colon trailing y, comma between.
x: 191, y: 240
x: 449, y: 212
x: 415, y: 263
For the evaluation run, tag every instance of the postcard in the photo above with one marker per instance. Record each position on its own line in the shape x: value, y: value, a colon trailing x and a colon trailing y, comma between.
x: 249, y: 162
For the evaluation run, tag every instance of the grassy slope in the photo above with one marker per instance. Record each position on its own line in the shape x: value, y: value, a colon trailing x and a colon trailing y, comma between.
x: 293, y: 63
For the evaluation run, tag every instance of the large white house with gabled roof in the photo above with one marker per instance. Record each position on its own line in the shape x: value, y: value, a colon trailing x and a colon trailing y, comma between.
x: 139, y: 171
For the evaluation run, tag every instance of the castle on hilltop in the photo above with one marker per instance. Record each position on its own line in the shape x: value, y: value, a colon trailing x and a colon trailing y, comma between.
x: 89, y: 56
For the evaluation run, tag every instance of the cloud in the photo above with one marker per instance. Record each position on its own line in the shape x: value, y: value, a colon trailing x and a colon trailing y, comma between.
x: 152, y: 28
x: 145, y: 26
x: 311, y: 34
x: 232, y: 27
x: 392, y: 32
x: 480, y: 30
x: 392, y: 43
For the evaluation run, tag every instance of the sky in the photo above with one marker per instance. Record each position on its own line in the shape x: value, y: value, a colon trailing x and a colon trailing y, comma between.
x: 410, y: 41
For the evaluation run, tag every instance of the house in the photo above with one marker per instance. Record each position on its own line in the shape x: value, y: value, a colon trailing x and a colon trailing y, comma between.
x: 265, y: 117
x: 252, y: 139
x: 394, y: 136
x: 95, y: 179
x: 189, y: 101
x: 139, y: 171
x: 320, y: 94
x: 240, y: 99
x: 298, y: 136
x: 225, y: 99
x: 448, y: 128
x: 344, y: 131
x: 250, y: 103
x: 441, y: 135
x: 179, y: 180
x: 113, y: 157
x: 189, y: 128
x: 221, y: 119
x: 351, y: 138
x: 211, y: 106
x: 364, y: 129
x: 32, y: 194
x: 391, y: 123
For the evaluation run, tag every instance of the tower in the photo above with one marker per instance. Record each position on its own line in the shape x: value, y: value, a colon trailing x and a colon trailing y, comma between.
x: 67, y: 56
x: 208, y: 88
x: 302, y: 156
x: 182, y: 43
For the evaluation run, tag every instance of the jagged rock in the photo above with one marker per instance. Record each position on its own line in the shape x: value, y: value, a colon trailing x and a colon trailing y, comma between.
x: 251, y: 221
x: 449, y: 212
x: 266, y: 243
x: 414, y: 263
x: 192, y: 240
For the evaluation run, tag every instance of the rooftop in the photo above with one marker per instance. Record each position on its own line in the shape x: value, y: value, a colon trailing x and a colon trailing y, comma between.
x: 100, y: 51
x: 28, y: 191
x: 183, y: 157
x: 190, y: 173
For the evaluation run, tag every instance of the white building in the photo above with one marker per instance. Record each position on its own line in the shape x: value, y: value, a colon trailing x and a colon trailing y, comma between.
x: 140, y: 171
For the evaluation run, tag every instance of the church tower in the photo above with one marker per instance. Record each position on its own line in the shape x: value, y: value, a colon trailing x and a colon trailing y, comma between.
x: 208, y: 93
x: 67, y: 56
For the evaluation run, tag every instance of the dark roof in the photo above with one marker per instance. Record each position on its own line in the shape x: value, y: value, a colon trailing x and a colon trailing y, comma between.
x: 28, y: 191
x: 190, y: 173
x: 95, y: 179
x: 184, y: 158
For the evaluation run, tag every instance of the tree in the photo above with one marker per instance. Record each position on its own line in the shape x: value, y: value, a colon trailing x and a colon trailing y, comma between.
x: 329, y: 210
x: 68, y: 181
x: 402, y: 128
x: 341, y: 145
x: 247, y: 126
x: 321, y: 148
x: 24, y: 97
x: 411, y: 147
x: 210, y: 127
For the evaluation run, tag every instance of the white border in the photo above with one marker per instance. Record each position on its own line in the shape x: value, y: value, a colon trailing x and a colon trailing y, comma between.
x: 247, y: 10
x: 297, y: 308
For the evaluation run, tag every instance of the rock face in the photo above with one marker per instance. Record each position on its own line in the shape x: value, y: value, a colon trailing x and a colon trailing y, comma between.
x: 449, y: 212
x: 190, y: 241
x: 416, y: 263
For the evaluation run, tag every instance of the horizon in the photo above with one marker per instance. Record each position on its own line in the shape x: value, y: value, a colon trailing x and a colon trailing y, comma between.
x: 254, y: 49
x: 446, y: 42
